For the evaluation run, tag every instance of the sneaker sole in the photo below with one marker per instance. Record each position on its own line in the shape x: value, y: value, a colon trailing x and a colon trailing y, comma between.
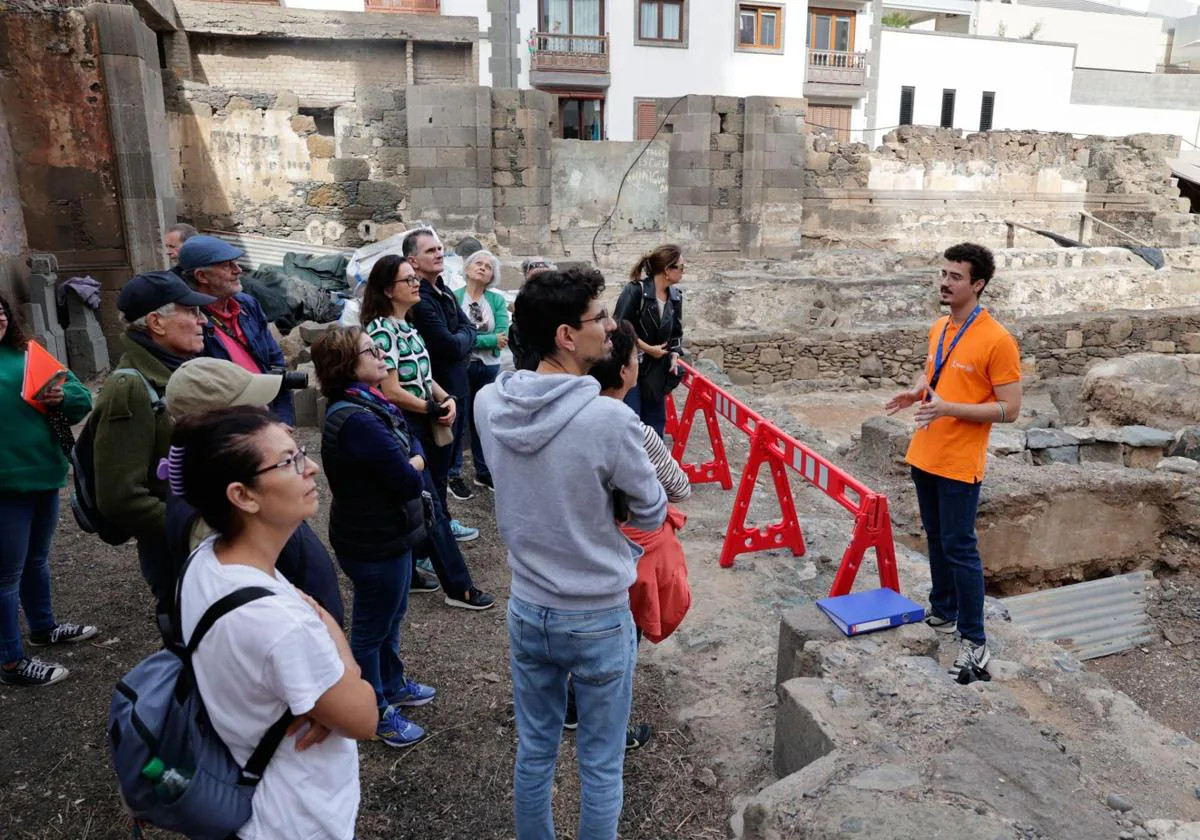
x: 454, y: 495
x: 479, y: 483
x: 415, y: 591
x: 470, y: 538
x: 463, y: 605
x: 70, y: 641
x: 571, y: 726
x: 398, y: 744
x: 945, y: 629
x: 412, y: 704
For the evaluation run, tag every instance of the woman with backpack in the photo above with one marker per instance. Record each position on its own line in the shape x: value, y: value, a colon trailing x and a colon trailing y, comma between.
x: 32, y: 450
x: 375, y: 466
x: 654, y: 306
x: 241, y: 469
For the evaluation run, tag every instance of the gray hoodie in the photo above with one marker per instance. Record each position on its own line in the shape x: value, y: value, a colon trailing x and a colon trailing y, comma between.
x: 556, y: 450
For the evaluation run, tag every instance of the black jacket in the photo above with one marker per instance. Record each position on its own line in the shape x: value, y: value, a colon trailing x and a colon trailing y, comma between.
x: 377, y: 513
x: 449, y: 336
x: 639, y: 305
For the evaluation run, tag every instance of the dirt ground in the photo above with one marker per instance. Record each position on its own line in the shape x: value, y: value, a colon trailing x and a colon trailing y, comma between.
x: 56, y: 780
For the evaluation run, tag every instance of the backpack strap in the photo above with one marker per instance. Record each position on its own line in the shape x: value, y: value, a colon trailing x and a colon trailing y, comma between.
x: 261, y: 757
x: 226, y: 605
x: 158, y: 403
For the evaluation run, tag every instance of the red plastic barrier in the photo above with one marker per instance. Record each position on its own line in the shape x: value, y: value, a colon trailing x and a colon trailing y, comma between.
x: 769, y: 445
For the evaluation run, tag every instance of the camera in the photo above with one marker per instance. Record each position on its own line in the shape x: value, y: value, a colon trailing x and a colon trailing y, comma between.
x: 293, y: 380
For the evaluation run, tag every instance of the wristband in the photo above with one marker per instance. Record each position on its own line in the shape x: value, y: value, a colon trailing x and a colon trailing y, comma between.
x: 1003, y: 412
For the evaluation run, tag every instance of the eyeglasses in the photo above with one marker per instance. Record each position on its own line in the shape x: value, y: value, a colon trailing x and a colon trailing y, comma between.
x: 677, y: 265
x: 298, y: 460
x: 375, y: 350
x: 411, y: 281
x: 603, y: 316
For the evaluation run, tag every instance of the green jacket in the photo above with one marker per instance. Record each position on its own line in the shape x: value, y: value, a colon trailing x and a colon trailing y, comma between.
x: 30, y: 454
x: 130, y: 439
x: 487, y: 340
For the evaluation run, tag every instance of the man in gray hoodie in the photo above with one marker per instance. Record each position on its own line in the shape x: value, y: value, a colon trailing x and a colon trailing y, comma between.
x: 563, y: 456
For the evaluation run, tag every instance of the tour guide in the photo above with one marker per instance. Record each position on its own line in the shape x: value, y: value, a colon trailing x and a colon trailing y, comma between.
x: 972, y: 378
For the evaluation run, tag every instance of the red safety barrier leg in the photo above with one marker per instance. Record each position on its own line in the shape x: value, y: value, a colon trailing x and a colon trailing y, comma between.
x: 872, y: 529
x: 672, y: 418
x: 716, y: 470
x: 740, y: 538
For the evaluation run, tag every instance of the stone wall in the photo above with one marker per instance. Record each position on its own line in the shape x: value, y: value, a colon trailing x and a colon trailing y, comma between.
x: 14, y: 247
x: 1053, y: 346
x: 521, y: 166
x: 586, y: 177
x: 930, y: 187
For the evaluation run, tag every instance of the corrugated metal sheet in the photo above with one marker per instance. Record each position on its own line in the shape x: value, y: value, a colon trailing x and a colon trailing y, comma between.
x: 1090, y: 619
x: 269, y: 250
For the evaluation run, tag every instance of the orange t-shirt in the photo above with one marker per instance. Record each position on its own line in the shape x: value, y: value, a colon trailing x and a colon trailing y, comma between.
x: 986, y: 356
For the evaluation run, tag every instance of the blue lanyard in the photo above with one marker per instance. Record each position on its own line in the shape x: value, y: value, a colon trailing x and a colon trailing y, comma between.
x: 939, y: 360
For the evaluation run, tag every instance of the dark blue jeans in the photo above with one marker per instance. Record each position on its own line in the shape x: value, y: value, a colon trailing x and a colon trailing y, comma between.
x: 652, y: 413
x: 948, y: 515
x: 380, y: 603
x: 442, y: 549
x: 479, y: 375
x: 26, y: 534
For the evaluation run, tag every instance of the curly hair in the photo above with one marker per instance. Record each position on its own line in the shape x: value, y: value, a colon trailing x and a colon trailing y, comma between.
x: 983, y: 264
x: 549, y: 300
x: 15, y: 335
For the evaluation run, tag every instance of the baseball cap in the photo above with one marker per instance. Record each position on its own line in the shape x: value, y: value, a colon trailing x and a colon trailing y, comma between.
x: 144, y: 293
x: 202, y: 251
x: 204, y: 384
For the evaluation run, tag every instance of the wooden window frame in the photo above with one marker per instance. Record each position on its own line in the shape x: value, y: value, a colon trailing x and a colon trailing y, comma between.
x: 834, y: 13
x: 673, y: 43
x: 580, y: 95
x: 758, y: 8
x: 543, y: 14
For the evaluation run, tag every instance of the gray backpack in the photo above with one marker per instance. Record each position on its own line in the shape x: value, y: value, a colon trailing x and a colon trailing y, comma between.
x: 173, y: 769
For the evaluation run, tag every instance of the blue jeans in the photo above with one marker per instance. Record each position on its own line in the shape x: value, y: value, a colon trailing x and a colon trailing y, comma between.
x: 948, y: 516
x: 652, y: 413
x: 27, y: 532
x: 479, y: 375
x: 599, y: 649
x: 380, y: 602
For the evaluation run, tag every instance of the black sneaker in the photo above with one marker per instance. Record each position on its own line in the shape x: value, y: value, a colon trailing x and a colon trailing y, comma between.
x: 941, y: 625
x: 476, y: 599
x: 63, y: 634
x: 459, y: 489
x: 422, y: 582
x: 485, y: 481
x: 33, y: 672
x: 637, y: 735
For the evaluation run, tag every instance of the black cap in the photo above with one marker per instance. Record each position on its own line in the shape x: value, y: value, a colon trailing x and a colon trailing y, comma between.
x: 145, y: 293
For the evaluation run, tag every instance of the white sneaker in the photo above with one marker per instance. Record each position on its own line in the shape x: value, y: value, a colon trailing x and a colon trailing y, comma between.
x: 970, y: 655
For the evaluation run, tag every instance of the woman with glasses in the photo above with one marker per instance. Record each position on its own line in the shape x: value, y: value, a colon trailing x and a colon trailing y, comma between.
x: 653, y: 304
x: 488, y: 311
x: 393, y: 289
x: 241, y: 469
x: 374, y: 465
x: 35, y: 467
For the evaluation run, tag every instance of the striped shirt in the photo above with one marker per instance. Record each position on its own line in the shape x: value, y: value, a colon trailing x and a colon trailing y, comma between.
x: 672, y: 477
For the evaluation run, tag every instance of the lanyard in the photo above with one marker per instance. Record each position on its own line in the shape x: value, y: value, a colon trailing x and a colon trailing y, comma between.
x: 940, y: 361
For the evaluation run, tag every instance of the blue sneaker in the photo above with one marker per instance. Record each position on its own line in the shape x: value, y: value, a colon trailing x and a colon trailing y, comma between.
x: 462, y: 533
x: 414, y: 694
x: 395, y: 730
x: 425, y: 565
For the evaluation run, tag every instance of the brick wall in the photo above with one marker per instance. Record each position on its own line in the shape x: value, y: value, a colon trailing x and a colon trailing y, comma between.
x: 320, y: 73
x: 441, y: 64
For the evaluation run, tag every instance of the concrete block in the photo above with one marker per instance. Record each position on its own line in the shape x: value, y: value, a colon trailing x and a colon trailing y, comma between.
x: 798, y: 627
x: 804, y: 731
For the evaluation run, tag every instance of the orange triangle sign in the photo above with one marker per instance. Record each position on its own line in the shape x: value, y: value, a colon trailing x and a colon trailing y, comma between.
x: 42, y: 371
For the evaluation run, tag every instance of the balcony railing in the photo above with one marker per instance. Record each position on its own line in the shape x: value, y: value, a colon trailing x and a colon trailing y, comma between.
x: 573, y: 53
x: 427, y: 7
x: 837, y: 67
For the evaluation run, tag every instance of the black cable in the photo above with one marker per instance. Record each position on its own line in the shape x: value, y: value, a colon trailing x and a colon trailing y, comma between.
x: 621, y: 186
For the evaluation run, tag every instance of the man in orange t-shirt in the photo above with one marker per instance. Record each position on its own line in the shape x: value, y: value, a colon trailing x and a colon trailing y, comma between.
x: 972, y: 378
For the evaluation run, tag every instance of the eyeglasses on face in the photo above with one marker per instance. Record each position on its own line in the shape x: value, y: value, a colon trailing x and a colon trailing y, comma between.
x: 603, y: 316
x: 678, y: 266
x: 375, y: 350
x: 298, y: 460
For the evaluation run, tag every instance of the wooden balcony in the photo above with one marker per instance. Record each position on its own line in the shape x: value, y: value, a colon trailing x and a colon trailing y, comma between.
x: 422, y: 7
x: 559, y: 52
x: 833, y: 67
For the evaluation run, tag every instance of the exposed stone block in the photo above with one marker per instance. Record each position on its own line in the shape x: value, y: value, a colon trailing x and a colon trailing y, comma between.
x: 1142, y: 457
x: 1102, y: 452
x: 804, y: 728
x: 320, y: 146
x: 1162, y: 346
x: 1056, y: 454
x: 350, y: 169
x: 884, y: 444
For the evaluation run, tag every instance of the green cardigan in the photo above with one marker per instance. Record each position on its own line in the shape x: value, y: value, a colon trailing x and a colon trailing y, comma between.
x: 487, y: 340
x: 31, y: 455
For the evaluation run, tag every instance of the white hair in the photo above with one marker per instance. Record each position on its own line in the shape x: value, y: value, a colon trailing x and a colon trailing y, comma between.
x: 484, y: 255
x: 141, y: 325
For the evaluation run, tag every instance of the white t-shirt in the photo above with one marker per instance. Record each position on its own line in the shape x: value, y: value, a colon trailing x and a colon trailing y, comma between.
x: 255, y: 662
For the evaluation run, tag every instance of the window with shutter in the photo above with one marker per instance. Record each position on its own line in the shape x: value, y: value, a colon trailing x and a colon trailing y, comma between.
x: 947, y: 108
x: 647, y: 118
x: 908, y: 96
x: 986, y: 110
